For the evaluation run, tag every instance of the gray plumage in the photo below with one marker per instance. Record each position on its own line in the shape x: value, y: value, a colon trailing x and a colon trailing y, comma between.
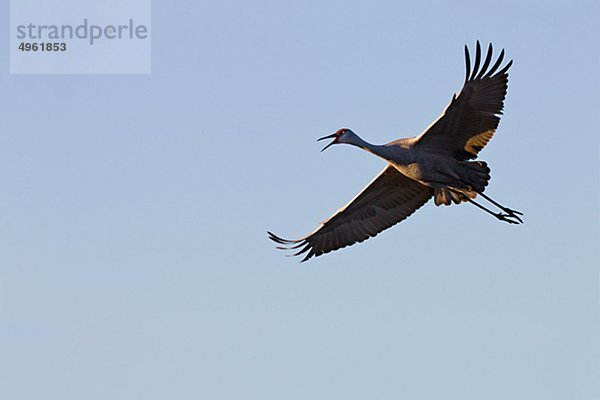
x: 437, y: 164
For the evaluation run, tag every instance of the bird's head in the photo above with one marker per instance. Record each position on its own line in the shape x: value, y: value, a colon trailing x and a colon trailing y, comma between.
x: 343, y: 135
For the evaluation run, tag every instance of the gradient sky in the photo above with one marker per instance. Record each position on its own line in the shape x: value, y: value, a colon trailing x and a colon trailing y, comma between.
x: 134, y: 261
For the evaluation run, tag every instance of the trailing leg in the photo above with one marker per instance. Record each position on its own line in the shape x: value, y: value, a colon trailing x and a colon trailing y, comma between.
x: 512, y: 213
x: 500, y: 216
x: 506, y: 217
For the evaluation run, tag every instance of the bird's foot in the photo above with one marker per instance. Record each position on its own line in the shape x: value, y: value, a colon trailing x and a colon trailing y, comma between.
x: 513, y: 214
x: 507, y: 218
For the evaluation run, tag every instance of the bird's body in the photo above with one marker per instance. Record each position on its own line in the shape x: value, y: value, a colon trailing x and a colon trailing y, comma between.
x: 417, y: 165
x: 428, y: 168
x: 436, y: 163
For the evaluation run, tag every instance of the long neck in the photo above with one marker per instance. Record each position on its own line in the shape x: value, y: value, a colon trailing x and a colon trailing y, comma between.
x: 379, y: 150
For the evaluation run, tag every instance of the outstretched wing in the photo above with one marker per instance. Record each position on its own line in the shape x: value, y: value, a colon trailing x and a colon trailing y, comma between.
x: 390, y: 198
x: 472, y: 117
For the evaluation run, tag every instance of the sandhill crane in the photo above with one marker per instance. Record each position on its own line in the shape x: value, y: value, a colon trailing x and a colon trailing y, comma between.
x: 434, y: 164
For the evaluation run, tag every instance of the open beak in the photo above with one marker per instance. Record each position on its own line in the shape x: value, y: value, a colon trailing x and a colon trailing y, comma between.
x: 333, y: 135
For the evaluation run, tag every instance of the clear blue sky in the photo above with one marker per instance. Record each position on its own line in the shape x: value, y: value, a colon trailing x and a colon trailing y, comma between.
x: 134, y: 262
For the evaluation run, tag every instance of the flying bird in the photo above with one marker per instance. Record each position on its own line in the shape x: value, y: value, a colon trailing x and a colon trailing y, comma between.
x: 437, y: 163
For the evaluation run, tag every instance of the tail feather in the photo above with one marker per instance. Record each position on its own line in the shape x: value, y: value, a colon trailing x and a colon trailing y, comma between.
x: 474, y: 177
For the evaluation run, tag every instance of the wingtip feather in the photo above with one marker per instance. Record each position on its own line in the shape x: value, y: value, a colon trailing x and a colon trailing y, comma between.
x: 477, y: 60
x: 467, y: 63
x: 486, y: 63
